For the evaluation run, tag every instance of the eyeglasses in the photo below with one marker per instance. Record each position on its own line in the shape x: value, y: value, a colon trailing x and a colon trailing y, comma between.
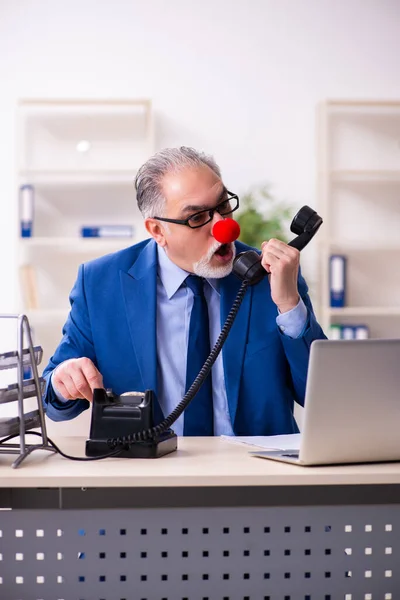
x: 226, y: 207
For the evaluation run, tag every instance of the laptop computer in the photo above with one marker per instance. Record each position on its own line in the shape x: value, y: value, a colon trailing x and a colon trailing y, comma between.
x: 352, y: 405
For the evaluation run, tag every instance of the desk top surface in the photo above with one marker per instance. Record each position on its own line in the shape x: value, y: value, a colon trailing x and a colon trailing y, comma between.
x: 197, y: 462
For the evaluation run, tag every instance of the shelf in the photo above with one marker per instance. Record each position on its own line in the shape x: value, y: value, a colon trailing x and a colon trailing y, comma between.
x: 359, y: 189
x: 48, y: 314
x: 92, y: 107
x: 76, y: 138
x: 370, y: 108
x: 358, y: 311
x: 358, y: 246
x: 67, y: 178
x: 79, y: 244
x: 374, y: 104
x: 365, y: 176
x: 81, y: 156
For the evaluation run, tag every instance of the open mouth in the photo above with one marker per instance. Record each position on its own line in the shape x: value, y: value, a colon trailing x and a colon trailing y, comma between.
x: 223, y: 250
x: 224, y: 253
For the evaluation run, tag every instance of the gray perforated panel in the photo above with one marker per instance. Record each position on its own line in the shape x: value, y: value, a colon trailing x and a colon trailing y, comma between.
x: 316, y: 553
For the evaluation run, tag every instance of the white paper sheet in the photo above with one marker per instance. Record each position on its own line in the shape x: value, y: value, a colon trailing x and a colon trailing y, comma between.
x: 270, y: 442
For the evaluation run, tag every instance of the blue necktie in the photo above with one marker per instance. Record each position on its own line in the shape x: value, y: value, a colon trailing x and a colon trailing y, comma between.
x: 198, y: 419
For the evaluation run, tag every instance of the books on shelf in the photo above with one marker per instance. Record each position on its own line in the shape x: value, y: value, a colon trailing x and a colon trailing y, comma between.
x: 338, y: 331
x: 107, y: 231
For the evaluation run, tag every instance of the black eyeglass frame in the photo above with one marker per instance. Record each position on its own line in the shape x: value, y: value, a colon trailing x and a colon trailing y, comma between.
x: 210, y: 211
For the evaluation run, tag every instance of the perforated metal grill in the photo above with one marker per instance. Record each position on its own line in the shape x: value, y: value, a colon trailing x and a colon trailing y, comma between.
x: 288, y: 553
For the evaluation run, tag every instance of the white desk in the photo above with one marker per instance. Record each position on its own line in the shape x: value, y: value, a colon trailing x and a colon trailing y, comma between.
x: 207, y: 521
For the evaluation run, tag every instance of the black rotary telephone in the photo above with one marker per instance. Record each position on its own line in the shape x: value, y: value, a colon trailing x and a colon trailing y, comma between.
x: 123, y: 425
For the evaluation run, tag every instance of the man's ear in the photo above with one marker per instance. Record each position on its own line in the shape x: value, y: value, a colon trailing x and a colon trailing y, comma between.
x: 156, y: 230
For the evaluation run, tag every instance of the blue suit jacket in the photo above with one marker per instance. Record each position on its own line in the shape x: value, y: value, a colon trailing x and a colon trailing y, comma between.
x: 113, y: 322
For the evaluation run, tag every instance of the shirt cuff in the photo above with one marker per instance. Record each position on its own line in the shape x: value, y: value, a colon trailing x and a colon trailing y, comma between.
x: 292, y: 323
x: 60, y: 397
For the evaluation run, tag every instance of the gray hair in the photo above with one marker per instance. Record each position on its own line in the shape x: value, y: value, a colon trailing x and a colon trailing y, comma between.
x: 148, y: 180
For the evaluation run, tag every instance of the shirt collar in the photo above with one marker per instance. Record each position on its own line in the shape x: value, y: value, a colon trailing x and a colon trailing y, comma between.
x: 173, y: 276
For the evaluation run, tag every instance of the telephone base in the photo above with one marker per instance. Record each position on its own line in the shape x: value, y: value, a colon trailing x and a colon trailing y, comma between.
x: 166, y: 443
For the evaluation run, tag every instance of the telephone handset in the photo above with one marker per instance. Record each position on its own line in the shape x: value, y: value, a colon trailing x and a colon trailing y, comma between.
x: 125, y: 424
x: 247, y: 265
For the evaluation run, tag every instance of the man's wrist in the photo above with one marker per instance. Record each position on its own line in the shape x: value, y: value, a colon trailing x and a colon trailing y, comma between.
x: 293, y: 322
x: 287, y: 306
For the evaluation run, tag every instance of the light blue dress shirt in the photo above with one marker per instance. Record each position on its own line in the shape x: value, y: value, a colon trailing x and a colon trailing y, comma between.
x: 174, y: 305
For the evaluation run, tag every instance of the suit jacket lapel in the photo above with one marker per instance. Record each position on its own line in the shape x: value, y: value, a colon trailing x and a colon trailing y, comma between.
x: 234, y: 347
x: 139, y: 287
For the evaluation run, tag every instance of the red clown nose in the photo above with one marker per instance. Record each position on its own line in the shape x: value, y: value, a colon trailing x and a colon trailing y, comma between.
x: 226, y: 231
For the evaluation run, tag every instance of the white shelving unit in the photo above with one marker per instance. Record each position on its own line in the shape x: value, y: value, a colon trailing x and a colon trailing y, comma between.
x: 359, y: 199
x: 81, y: 158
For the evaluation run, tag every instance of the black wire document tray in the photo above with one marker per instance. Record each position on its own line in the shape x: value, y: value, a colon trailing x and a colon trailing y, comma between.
x: 18, y: 426
x: 11, y: 425
x: 10, y: 393
x: 9, y: 360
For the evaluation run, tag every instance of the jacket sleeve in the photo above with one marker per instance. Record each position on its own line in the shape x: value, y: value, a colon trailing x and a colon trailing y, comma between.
x: 76, y: 343
x: 298, y: 350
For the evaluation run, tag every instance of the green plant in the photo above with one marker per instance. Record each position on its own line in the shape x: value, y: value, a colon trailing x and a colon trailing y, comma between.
x: 262, y: 217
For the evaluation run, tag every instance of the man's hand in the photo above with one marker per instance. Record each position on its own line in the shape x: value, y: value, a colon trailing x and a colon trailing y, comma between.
x: 77, y: 378
x: 282, y: 263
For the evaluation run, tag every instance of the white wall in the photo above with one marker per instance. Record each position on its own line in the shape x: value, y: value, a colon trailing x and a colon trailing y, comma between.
x: 239, y: 79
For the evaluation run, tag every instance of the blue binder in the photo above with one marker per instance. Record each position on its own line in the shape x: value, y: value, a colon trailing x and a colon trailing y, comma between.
x: 348, y: 332
x: 26, y: 207
x: 337, y: 280
x: 107, y: 231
